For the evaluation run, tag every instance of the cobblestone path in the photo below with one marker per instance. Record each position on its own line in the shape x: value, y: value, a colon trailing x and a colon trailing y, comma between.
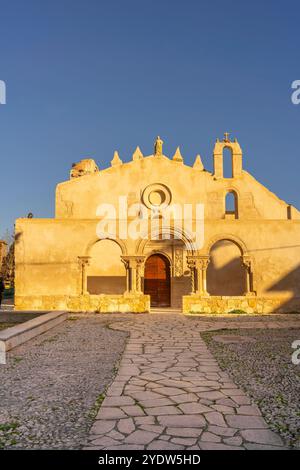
x: 170, y: 392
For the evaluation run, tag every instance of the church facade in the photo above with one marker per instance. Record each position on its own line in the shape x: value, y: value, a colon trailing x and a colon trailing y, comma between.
x: 155, y: 232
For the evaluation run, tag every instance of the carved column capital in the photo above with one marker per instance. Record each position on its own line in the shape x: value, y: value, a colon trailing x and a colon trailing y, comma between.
x: 198, y: 261
x: 84, y: 260
x: 132, y: 261
x: 133, y: 265
x: 198, y: 265
x: 247, y: 261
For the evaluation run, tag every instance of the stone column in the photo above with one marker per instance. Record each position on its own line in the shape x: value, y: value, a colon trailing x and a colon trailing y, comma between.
x: 126, y: 264
x: 133, y: 265
x: 198, y: 266
x: 191, y: 265
x: 247, y: 262
x: 83, y: 263
x: 205, y: 263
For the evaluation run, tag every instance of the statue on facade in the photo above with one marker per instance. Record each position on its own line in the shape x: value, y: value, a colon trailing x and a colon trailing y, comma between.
x: 158, y: 147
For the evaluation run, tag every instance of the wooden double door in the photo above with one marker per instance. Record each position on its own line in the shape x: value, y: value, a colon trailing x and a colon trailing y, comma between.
x: 157, y: 280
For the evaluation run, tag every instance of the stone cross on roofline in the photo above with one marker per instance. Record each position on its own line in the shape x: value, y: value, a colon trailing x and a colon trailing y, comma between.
x: 226, y: 137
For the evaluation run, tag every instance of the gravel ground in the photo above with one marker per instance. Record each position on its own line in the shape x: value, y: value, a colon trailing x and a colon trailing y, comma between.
x: 52, y: 386
x: 265, y: 371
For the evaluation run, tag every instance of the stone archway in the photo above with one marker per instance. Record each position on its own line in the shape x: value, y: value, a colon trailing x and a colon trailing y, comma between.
x: 226, y: 275
x: 243, y: 260
x: 105, y: 272
x: 157, y: 282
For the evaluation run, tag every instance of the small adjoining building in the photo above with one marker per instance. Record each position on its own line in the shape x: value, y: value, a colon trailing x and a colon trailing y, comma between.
x: 246, y: 256
x: 3, y: 252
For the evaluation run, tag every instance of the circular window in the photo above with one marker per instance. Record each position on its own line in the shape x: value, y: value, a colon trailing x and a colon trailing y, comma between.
x: 156, y: 196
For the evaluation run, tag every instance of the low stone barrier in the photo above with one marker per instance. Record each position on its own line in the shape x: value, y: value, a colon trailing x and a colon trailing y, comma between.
x: 16, y: 335
x: 102, y: 303
x: 239, y: 304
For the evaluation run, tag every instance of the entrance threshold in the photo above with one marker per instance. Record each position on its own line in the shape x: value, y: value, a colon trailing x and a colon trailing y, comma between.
x: 165, y: 310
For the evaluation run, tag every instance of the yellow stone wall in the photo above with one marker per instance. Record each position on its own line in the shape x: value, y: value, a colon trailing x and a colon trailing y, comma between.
x: 242, y: 304
x: 85, y: 303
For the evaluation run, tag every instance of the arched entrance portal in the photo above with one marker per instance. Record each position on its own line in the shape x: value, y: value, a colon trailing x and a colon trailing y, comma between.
x: 157, y: 280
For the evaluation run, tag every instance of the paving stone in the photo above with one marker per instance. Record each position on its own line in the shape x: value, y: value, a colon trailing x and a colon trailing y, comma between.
x: 185, y: 441
x: 164, y: 445
x: 241, y: 400
x: 215, y: 418
x: 140, y: 437
x: 145, y: 395
x: 233, y: 441
x: 228, y: 432
x: 162, y: 410
x: 103, y: 441
x: 126, y: 425
x: 214, y: 395
x: 110, y: 413
x: 224, y: 409
x: 174, y: 383
x: 102, y: 427
x: 227, y: 402
x: 209, y: 437
x: 217, y: 446
x: 185, y: 398
x: 126, y: 447
x: 165, y: 438
x: 251, y: 446
x: 133, y: 410
x: 169, y: 391
x: 250, y: 410
x: 144, y: 420
x: 194, y: 408
x: 116, y: 435
x: 117, y: 401
x: 186, y: 421
x: 262, y: 437
x: 246, y: 422
x: 184, y: 432
x: 155, y: 403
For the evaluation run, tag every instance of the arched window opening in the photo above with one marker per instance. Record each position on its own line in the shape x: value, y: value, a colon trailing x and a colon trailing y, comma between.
x: 227, y: 163
x: 231, y: 205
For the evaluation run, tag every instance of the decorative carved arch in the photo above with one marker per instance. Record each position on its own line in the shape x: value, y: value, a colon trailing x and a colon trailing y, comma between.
x: 228, y: 237
x: 159, y: 252
x: 118, y: 241
x: 177, y: 231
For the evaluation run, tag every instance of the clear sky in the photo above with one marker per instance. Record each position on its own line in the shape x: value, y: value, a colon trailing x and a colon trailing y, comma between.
x: 87, y: 77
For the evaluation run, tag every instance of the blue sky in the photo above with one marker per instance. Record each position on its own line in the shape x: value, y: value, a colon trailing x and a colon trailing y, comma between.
x: 87, y: 77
